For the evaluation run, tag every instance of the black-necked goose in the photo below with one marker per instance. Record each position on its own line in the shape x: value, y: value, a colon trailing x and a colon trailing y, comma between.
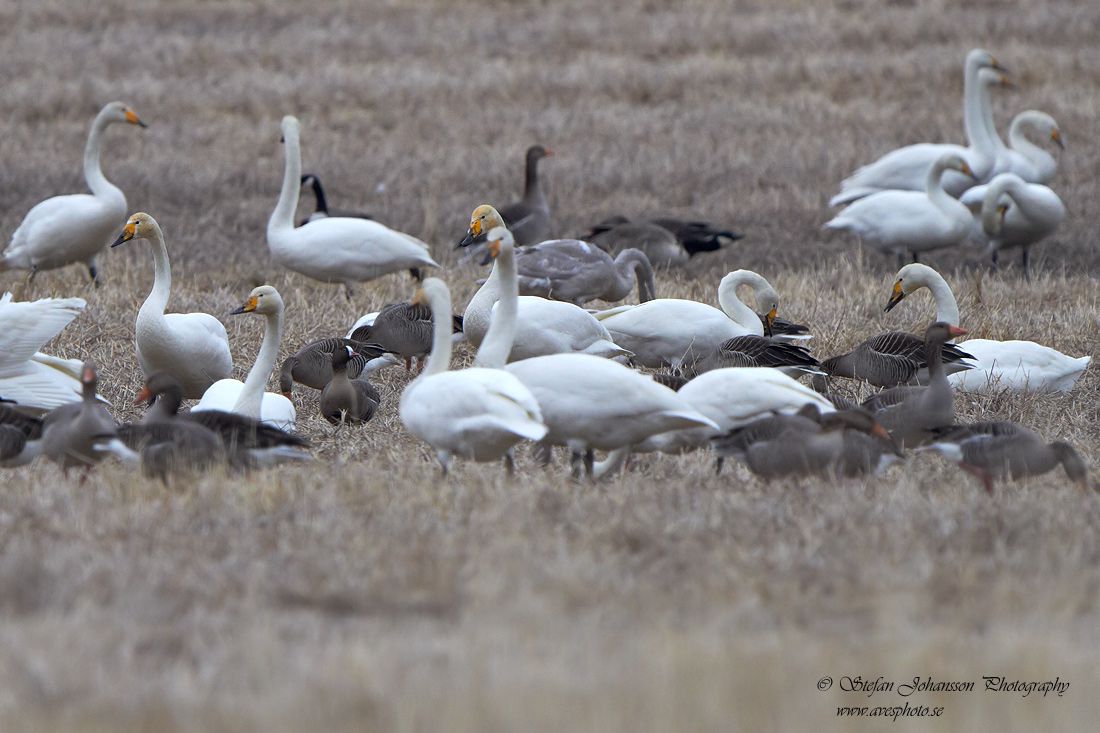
x: 322, y: 210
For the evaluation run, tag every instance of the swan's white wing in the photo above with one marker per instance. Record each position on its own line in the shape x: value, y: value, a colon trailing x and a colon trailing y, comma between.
x: 66, y: 226
x: 24, y: 327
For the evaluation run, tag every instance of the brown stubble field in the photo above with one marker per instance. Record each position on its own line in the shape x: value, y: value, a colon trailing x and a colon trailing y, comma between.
x: 367, y: 593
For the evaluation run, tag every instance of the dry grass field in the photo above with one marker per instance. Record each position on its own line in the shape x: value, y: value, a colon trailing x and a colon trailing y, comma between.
x: 365, y: 592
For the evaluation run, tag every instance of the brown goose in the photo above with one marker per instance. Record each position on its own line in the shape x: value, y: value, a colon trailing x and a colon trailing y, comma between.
x: 323, y: 211
x: 756, y: 351
x: 347, y: 400
x: 912, y: 414
x: 847, y: 443
x: 20, y: 437
x: 405, y: 329
x: 167, y: 445
x: 576, y: 272
x: 311, y: 365
x: 1002, y: 450
x: 893, y: 359
x: 83, y: 433
x: 529, y: 218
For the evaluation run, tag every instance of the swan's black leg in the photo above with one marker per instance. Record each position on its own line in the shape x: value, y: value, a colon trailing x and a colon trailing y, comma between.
x: 348, y: 289
x: 993, y: 258
x: 589, y: 461
x: 575, y: 463
x: 718, y: 463
x: 915, y: 257
x: 509, y: 464
x: 94, y: 274
x: 1023, y: 263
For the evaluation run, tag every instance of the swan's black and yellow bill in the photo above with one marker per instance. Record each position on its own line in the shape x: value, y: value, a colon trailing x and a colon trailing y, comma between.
x: 127, y: 233
x: 768, y: 319
x: 1057, y: 137
x: 248, y: 307
x: 896, y: 297
x: 133, y: 119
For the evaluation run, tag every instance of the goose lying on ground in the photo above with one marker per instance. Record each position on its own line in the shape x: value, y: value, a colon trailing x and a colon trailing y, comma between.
x: 1015, y: 213
x: 66, y: 229
x: 911, y: 414
x: 347, y: 400
x: 907, y: 168
x: 994, y: 451
x: 478, y: 414
x: 756, y: 351
x: 335, y: 249
x: 543, y: 326
x: 248, y: 398
x: 665, y: 241
x: 674, y: 332
x: 575, y: 272
x: 893, y: 359
x: 1016, y: 366
x: 910, y: 222
x: 29, y: 378
x: 20, y: 437
x: 323, y: 211
x: 192, y: 347
x: 311, y: 365
x: 83, y: 433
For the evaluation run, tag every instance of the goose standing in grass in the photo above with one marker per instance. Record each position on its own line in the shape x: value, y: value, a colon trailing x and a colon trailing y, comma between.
x: 33, y: 380
x: 344, y: 399
x: 248, y: 398
x: 910, y: 222
x: 66, y: 229
x: 478, y: 414
x: 575, y: 272
x: 1015, y: 213
x: 906, y: 168
x: 529, y: 218
x: 1001, y: 450
x: 1015, y: 366
x: 675, y: 332
x: 311, y: 365
x: 20, y: 437
x: 543, y: 326
x: 912, y: 414
x: 83, y: 433
x: 322, y: 210
x: 335, y: 249
x: 192, y: 347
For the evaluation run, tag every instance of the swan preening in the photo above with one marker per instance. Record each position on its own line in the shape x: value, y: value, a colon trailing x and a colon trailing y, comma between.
x: 192, y: 347
x: 335, y: 249
x: 248, y: 398
x: 66, y: 229
x: 1014, y: 213
x: 1015, y: 366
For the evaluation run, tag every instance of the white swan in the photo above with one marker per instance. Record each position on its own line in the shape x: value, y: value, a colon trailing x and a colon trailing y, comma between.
x: 249, y: 398
x: 670, y: 331
x: 1015, y: 366
x: 1015, y: 213
x: 192, y: 347
x: 733, y: 397
x: 544, y: 326
x: 1021, y: 156
x: 906, y: 168
x: 902, y: 222
x: 66, y: 229
x: 35, y: 381
x: 335, y: 249
x: 480, y: 413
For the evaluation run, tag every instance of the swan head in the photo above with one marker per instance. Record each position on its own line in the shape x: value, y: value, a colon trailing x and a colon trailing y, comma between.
x: 431, y: 291
x: 991, y: 78
x: 290, y: 128
x: 498, y: 240
x: 910, y: 278
x: 263, y: 300
x: 138, y: 226
x: 981, y: 58
x: 952, y: 162
x: 119, y: 112
x: 1039, y: 122
x: 483, y: 219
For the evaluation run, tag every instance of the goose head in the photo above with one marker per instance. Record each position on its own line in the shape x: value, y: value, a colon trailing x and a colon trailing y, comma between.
x: 264, y: 300
x: 162, y: 385
x: 341, y: 355
x: 138, y: 226
x: 483, y: 219
x: 498, y: 240
x: 89, y: 380
x: 941, y: 332
x: 536, y: 153
x: 119, y: 112
x: 910, y: 278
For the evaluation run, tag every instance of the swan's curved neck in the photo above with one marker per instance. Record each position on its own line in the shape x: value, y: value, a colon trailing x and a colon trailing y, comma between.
x: 933, y: 186
x: 947, y: 309
x: 475, y: 321
x: 283, y: 216
x: 251, y: 397
x: 991, y: 215
x: 93, y: 174
x: 986, y: 96
x: 738, y: 312
x: 1019, y: 142
x: 439, y: 360
x: 497, y: 344
x: 633, y: 264
x: 157, y: 301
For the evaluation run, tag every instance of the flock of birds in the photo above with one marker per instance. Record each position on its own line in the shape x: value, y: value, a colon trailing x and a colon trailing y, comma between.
x: 547, y: 369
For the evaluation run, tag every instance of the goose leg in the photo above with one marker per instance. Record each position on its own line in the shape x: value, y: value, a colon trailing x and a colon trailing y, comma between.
x: 589, y: 461
x: 993, y: 260
x: 915, y: 257
x: 575, y: 463
x: 509, y: 464
x: 33, y: 273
